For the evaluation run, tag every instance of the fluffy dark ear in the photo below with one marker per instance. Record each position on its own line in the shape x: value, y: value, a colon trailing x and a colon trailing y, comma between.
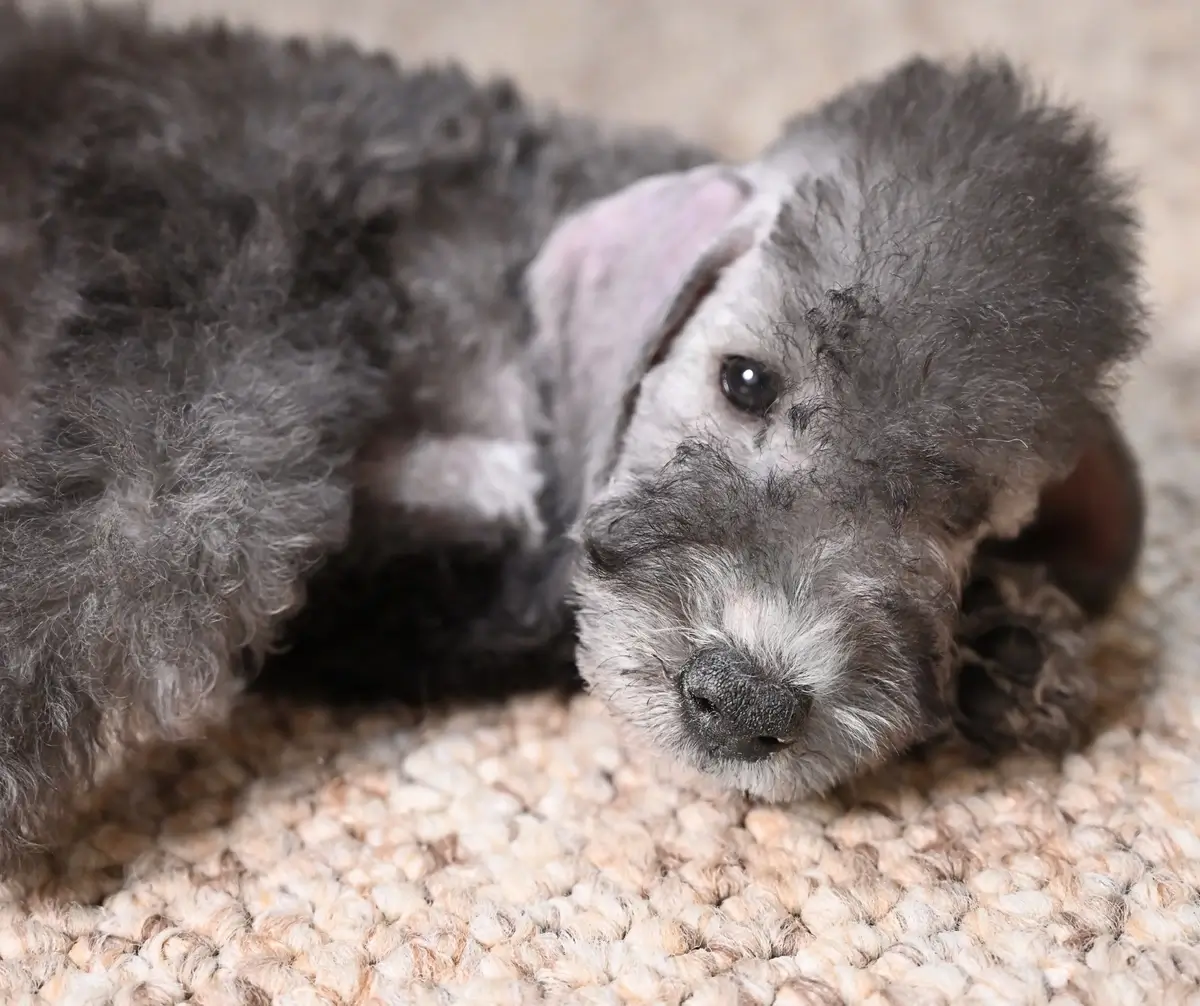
x: 607, y: 289
x: 1088, y: 528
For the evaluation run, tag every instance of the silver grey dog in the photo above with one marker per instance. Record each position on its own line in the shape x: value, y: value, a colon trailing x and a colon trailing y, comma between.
x: 317, y: 368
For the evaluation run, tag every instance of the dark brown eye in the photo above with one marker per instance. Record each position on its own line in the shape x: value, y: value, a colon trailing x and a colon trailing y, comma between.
x: 748, y: 385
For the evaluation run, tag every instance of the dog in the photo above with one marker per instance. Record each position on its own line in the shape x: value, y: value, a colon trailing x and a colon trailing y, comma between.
x: 800, y: 462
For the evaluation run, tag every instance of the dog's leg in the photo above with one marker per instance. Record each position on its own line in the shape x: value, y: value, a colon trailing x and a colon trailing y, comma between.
x: 149, y: 543
x: 1031, y: 605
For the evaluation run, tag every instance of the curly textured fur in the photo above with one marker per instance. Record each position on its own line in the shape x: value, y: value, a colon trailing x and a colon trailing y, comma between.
x: 268, y: 332
x: 211, y: 297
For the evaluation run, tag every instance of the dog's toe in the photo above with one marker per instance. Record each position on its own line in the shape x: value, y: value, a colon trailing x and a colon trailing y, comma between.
x: 1015, y: 649
x: 983, y: 706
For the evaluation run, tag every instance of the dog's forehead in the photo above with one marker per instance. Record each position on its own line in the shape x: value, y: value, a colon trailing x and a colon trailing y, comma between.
x: 801, y: 249
x: 813, y: 188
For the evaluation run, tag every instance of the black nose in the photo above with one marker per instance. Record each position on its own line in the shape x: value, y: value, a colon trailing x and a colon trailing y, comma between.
x: 735, y: 709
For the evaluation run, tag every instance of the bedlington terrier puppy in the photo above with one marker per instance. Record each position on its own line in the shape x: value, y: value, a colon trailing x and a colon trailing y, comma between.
x: 806, y: 460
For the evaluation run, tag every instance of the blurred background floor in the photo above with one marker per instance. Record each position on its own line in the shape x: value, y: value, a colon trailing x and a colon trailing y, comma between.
x: 527, y: 853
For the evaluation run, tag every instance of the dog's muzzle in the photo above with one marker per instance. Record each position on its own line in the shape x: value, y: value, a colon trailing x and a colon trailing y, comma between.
x: 734, y: 710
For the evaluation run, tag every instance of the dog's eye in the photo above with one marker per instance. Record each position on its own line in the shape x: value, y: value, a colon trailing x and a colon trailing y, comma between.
x: 748, y: 385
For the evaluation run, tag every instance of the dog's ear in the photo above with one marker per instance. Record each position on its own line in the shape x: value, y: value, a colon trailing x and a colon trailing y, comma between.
x: 1089, y: 526
x: 607, y: 288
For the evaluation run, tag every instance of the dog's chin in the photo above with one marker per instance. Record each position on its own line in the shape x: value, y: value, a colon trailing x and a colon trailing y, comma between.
x: 784, y: 777
x: 794, y: 774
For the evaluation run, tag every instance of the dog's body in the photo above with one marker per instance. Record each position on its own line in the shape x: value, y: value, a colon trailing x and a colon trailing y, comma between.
x: 280, y: 320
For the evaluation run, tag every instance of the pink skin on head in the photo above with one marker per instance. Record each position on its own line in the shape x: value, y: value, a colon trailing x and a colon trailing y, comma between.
x: 607, y: 278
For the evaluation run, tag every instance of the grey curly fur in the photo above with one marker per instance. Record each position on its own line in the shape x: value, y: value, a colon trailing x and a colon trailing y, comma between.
x: 237, y: 272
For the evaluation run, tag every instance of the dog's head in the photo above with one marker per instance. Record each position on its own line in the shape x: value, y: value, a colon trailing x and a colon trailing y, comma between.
x: 795, y: 395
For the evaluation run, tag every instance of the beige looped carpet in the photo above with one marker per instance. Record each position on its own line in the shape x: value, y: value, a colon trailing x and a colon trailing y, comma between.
x: 528, y: 853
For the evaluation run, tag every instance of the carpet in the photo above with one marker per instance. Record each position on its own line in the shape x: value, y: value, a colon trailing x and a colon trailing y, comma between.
x: 532, y: 853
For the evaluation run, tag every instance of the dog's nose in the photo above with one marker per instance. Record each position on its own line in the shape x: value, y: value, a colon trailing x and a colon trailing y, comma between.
x: 735, y: 709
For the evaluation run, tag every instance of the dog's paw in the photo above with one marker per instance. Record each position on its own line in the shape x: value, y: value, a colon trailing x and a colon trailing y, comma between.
x: 1023, y: 675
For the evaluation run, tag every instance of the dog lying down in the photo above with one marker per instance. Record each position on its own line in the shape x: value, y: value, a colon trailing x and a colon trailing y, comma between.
x: 811, y: 455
